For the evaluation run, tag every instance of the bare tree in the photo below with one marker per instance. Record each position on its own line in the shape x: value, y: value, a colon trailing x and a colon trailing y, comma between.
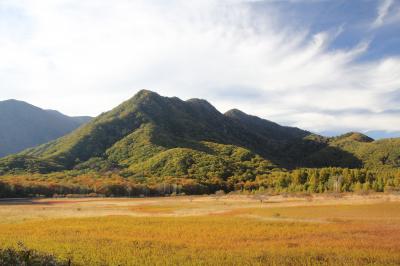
x: 337, y: 183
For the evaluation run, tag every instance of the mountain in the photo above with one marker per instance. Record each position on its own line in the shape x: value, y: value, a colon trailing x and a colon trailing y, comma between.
x: 151, y: 135
x: 23, y: 125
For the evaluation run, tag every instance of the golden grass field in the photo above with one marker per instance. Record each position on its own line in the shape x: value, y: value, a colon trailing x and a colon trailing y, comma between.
x: 228, y: 230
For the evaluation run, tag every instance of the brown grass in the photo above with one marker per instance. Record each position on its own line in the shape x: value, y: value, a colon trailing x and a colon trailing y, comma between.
x: 235, y: 230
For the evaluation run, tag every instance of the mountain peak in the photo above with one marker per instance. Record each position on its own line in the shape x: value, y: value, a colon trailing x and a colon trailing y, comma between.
x: 167, y: 136
x: 14, y: 102
x: 198, y: 101
x: 235, y: 112
x: 203, y: 104
x: 23, y: 125
x: 355, y: 136
x: 146, y: 93
x: 10, y: 101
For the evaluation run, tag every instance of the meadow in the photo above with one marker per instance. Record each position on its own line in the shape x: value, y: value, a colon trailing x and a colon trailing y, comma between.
x: 343, y: 229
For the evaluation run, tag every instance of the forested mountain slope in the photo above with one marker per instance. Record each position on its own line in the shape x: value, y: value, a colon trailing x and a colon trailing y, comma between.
x: 151, y: 135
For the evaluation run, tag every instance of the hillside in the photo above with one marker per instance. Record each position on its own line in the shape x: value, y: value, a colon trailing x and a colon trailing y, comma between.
x: 23, y: 125
x: 151, y: 135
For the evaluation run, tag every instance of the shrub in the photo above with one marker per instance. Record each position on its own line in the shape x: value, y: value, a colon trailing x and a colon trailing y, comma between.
x: 28, y: 257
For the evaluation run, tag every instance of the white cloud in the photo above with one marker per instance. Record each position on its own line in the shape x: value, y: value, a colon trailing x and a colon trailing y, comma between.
x: 383, y: 10
x: 388, y: 12
x: 85, y: 57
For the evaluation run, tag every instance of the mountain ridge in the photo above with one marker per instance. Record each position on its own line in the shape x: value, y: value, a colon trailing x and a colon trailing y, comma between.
x: 23, y: 125
x: 153, y: 135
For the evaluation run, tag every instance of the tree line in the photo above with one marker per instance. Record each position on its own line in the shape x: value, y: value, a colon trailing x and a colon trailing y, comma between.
x: 311, y: 180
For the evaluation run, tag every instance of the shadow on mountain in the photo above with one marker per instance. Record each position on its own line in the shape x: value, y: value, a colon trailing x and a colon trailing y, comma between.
x: 147, y: 128
x: 330, y: 156
x: 282, y: 153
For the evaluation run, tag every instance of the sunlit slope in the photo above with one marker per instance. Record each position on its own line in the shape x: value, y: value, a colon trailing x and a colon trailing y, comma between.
x: 154, y: 135
x: 155, y: 132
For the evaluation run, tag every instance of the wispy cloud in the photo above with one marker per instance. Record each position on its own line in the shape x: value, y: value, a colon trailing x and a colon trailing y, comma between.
x: 387, y: 12
x: 383, y: 10
x: 84, y: 57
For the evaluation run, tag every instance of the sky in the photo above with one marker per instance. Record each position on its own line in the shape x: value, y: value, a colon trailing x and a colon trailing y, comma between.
x: 326, y: 66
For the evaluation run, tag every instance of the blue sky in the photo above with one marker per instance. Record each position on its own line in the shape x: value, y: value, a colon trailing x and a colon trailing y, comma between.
x: 326, y: 66
x: 354, y: 16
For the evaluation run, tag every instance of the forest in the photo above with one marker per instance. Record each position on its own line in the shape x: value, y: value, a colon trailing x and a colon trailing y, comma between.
x: 113, y: 184
x: 152, y: 145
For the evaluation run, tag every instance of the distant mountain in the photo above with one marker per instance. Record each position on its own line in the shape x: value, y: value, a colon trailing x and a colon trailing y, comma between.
x: 151, y: 135
x: 23, y: 125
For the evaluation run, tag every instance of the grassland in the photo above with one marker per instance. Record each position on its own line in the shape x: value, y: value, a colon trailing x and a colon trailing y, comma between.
x: 227, y: 230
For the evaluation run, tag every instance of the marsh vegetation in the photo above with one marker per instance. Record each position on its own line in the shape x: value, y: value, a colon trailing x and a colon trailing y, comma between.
x: 203, y: 230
